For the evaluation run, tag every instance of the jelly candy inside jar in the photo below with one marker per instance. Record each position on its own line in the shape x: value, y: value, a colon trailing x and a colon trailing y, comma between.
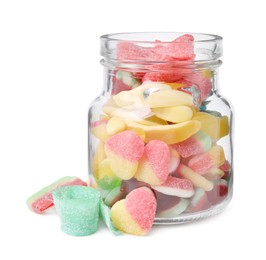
x: 161, y: 129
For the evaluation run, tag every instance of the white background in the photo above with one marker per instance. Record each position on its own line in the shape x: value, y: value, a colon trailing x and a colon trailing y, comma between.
x: 49, y: 74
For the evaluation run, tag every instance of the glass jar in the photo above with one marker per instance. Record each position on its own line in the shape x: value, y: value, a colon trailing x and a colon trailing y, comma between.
x: 160, y: 122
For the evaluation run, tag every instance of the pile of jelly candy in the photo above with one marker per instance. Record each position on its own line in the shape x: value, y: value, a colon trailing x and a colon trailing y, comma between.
x: 157, y: 151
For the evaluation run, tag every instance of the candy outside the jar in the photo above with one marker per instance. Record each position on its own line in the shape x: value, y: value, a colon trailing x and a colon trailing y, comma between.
x: 42, y: 200
x: 154, y: 165
x: 123, y: 151
x: 135, y: 214
x: 78, y: 208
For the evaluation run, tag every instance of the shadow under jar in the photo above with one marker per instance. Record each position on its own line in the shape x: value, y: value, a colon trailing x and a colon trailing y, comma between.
x: 160, y: 122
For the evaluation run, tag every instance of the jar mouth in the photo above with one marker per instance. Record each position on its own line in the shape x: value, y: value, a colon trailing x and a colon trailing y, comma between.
x: 164, y: 37
x: 207, y: 47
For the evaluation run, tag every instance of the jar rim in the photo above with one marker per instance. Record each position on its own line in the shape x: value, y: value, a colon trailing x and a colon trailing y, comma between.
x: 207, y: 48
x: 131, y: 37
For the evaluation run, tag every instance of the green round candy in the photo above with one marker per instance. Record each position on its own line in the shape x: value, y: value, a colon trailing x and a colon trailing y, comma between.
x: 78, y: 209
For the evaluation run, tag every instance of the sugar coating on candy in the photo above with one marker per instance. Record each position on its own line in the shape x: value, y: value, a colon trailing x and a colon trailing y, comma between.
x: 141, y: 205
x: 123, y: 221
x: 78, y: 209
x: 130, y: 51
x: 162, y: 76
x: 154, y: 164
x: 42, y: 200
x: 179, y: 49
x: 128, y: 145
x: 158, y: 156
x: 124, y: 151
x: 176, y: 187
x: 198, y: 143
x: 135, y: 214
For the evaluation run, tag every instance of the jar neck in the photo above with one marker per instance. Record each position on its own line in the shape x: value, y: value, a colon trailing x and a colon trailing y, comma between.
x: 127, y: 77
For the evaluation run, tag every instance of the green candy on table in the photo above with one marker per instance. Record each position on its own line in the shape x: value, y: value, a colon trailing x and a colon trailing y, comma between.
x: 78, y: 209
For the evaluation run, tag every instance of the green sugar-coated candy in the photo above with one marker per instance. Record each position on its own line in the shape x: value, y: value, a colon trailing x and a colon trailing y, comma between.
x: 105, y: 216
x: 78, y: 209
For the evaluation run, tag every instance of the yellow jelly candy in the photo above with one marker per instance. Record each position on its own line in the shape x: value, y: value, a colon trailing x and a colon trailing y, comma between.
x: 214, y: 174
x: 153, y: 120
x: 134, y: 113
x: 115, y: 125
x: 169, y: 98
x: 216, y: 127
x: 175, y: 114
x: 127, y: 98
x: 99, y: 156
x: 104, y: 170
x: 207, y: 74
x: 104, y: 117
x: 106, y: 179
x: 109, y: 106
x: 169, y: 134
x: 197, y: 180
x: 98, y: 129
x: 216, y: 154
x: 140, y: 132
x: 176, y: 85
